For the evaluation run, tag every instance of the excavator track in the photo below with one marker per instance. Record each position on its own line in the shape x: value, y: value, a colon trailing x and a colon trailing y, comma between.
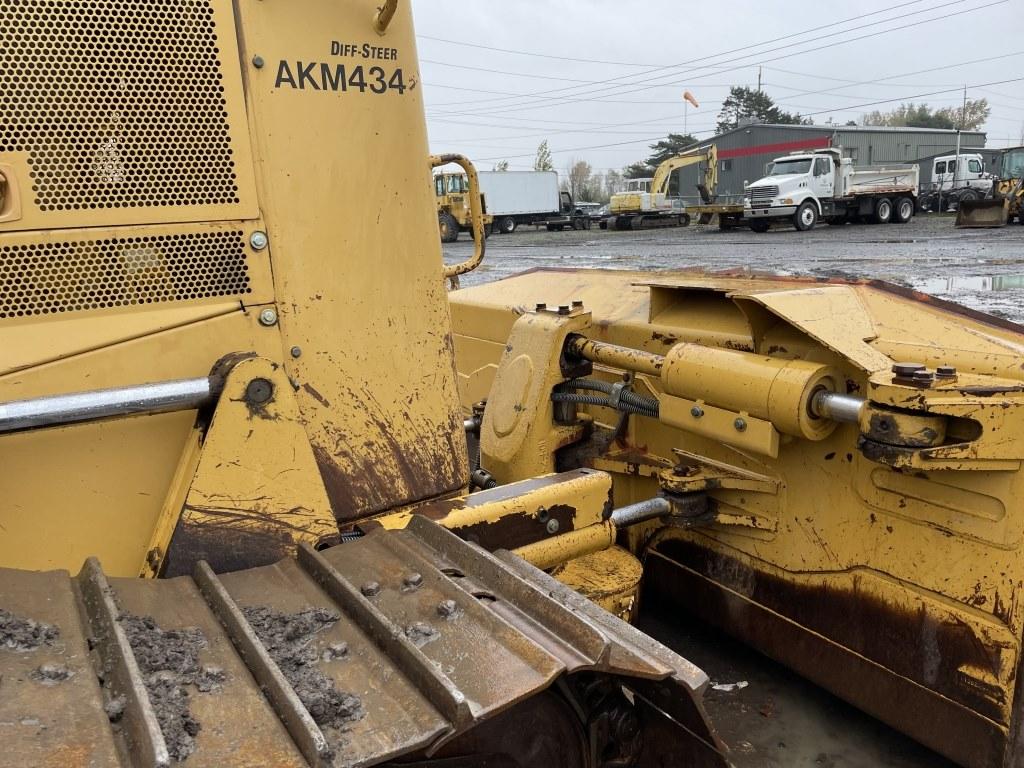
x: 400, y: 648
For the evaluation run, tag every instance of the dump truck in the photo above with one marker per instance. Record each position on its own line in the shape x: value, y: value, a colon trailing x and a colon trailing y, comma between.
x: 237, y: 403
x: 1005, y: 200
x: 807, y: 187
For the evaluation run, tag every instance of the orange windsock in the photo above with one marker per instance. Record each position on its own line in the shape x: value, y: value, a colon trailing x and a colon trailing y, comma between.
x: 687, y: 96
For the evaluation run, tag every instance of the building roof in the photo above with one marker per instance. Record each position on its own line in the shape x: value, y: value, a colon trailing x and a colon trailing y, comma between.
x: 852, y: 129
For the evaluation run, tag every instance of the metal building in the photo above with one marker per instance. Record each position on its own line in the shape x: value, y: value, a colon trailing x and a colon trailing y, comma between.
x: 744, y: 152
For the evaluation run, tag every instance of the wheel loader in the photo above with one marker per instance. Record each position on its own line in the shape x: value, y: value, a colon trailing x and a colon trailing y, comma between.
x: 1006, y: 200
x: 240, y: 520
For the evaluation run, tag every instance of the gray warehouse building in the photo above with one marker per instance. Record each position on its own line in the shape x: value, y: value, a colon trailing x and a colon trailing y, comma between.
x: 744, y: 152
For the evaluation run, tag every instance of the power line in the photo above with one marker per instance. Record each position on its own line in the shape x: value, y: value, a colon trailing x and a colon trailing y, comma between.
x: 723, y: 53
x: 811, y: 114
x: 534, y: 54
x: 785, y: 56
x: 751, y: 57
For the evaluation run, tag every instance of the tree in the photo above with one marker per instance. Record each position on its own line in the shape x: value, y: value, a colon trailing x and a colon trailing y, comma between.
x: 613, y: 183
x: 743, y: 103
x: 577, y: 176
x: 670, y: 147
x: 913, y: 115
x: 543, y: 160
x: 501, y: 166
x: 639, y: 170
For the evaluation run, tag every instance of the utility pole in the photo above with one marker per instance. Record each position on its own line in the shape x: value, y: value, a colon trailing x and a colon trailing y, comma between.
x: 759, y: 79
x: 963, y: 112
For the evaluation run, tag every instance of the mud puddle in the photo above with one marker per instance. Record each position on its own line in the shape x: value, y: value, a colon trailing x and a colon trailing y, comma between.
x: 169, y: 662
x: 290, y: 639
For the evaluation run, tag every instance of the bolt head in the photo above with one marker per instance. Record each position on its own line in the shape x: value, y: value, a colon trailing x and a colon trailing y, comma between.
x: 258, y: 240
x: 447, y: 608
x: 542, y: 307
x: 946, y: 372
x: 258, y: 62
x: 413, y: 581
x: 697, y: 412
x: 259, y: 391
x: 740, y: 424
x: 564, y: 309
x: 553, y: 526
x: 296, y: 352
x: 268, y: 317
x: 370, y: 589
x: 906, y: 370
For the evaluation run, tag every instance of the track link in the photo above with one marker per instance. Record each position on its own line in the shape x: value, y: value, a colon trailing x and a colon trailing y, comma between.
x: 399, y: 644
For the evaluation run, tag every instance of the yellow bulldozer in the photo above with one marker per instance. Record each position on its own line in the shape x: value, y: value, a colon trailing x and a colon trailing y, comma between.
x: 1006, y: 201
x: 320, y: 512
x: 453, y: 206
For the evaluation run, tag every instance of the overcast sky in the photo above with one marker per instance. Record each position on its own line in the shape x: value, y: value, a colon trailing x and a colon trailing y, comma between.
x: 493, y: 105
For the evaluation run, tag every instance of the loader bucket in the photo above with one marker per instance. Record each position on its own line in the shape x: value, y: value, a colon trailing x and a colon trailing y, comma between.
x: 982, y: 213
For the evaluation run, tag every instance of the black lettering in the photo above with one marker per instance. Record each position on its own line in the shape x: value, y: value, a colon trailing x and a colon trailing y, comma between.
x: 366, y: 50
x: 284, y: 75
x: 306, y: 75
x: 381, y: 85
x: 333, y: 80
x: 335, y: 48
x: 357, y: 79
x: 397, y: 82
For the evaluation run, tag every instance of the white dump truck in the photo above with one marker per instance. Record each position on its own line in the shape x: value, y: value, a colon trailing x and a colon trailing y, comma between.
x: 808, y: 187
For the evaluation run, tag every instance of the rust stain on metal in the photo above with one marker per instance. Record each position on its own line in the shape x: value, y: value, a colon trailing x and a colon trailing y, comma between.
x: 312, y: 391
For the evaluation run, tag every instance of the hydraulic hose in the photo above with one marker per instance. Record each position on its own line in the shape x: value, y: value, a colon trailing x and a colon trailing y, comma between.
x: 628, y: 401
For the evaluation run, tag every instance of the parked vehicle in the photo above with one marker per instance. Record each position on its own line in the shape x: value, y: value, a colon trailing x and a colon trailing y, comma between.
x: 600, y: 216
x: 808, y: 187
x: 953, y: 182
x: 453, y: 216
x: 528, y: 197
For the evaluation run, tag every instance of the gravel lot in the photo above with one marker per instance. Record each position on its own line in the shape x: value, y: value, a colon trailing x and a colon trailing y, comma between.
x: 980, y: 268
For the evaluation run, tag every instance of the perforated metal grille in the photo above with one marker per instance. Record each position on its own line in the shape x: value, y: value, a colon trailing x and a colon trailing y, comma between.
x: 52, y: 278
x: 119, y: 104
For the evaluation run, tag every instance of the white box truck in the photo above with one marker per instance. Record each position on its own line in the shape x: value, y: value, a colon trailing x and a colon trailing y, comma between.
x: 808, y: 187
x: 528, y: 197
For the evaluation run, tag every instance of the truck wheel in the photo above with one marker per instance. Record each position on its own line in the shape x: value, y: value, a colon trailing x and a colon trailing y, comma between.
x: 806, y: 216
x: 577, y: 224
x: 684, y: 220
x: 883, y: 211
x: 506, y: 225
x: 449, y: 227
x: 760, y: 226
x: 904, y: 210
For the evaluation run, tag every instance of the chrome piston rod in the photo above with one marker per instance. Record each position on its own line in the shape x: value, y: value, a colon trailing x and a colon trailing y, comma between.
x: 165, y: 397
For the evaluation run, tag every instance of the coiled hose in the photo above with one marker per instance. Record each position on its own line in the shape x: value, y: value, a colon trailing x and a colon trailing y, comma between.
x: 629, y: 401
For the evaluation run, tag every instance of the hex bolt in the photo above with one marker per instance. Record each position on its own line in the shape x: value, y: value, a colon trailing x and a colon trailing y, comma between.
x: 564, y: 309
x: 259, y: 391
x: 413, y: 581
x: 542, y: 307
x: 740, y: 424
x: 697, y: 412
x: 906, y: 370
x: 257, y: 61
x: 268, y: 317
x: 258, y: 240
x: 553, y: 526
x: 577, y: 304
x: 296, y: 352
x: 370, y: 589
x: 447, y: 608
x: 924, y: 378
x: 945, y: 372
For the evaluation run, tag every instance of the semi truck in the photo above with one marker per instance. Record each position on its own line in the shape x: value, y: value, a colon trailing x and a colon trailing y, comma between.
x: 529, y: 197
x: 808, y: 187
x: 954, y: 182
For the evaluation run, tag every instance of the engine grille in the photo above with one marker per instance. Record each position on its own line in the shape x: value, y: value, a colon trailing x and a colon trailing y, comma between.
x: 118, y: 103
x: 763, y: 194
x: 53, y: 278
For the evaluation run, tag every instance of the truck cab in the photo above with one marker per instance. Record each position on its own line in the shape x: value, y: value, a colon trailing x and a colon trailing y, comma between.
x: 953, y: 181
x: 789, y: 182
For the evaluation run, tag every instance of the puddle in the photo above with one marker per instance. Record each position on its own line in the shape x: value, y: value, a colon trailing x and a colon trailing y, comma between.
x: 968, y: 283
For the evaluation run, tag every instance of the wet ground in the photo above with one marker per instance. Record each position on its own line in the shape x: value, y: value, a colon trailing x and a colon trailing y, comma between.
x: 777, y: 719
x: 980, y: 268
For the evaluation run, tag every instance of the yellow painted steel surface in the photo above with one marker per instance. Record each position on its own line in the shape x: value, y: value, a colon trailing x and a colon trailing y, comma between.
x: 907, y: 523
x: 154, y: 267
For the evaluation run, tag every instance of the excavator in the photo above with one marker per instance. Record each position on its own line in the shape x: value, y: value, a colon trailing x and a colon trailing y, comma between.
x: 653, y: 207
x: 272, y: 495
